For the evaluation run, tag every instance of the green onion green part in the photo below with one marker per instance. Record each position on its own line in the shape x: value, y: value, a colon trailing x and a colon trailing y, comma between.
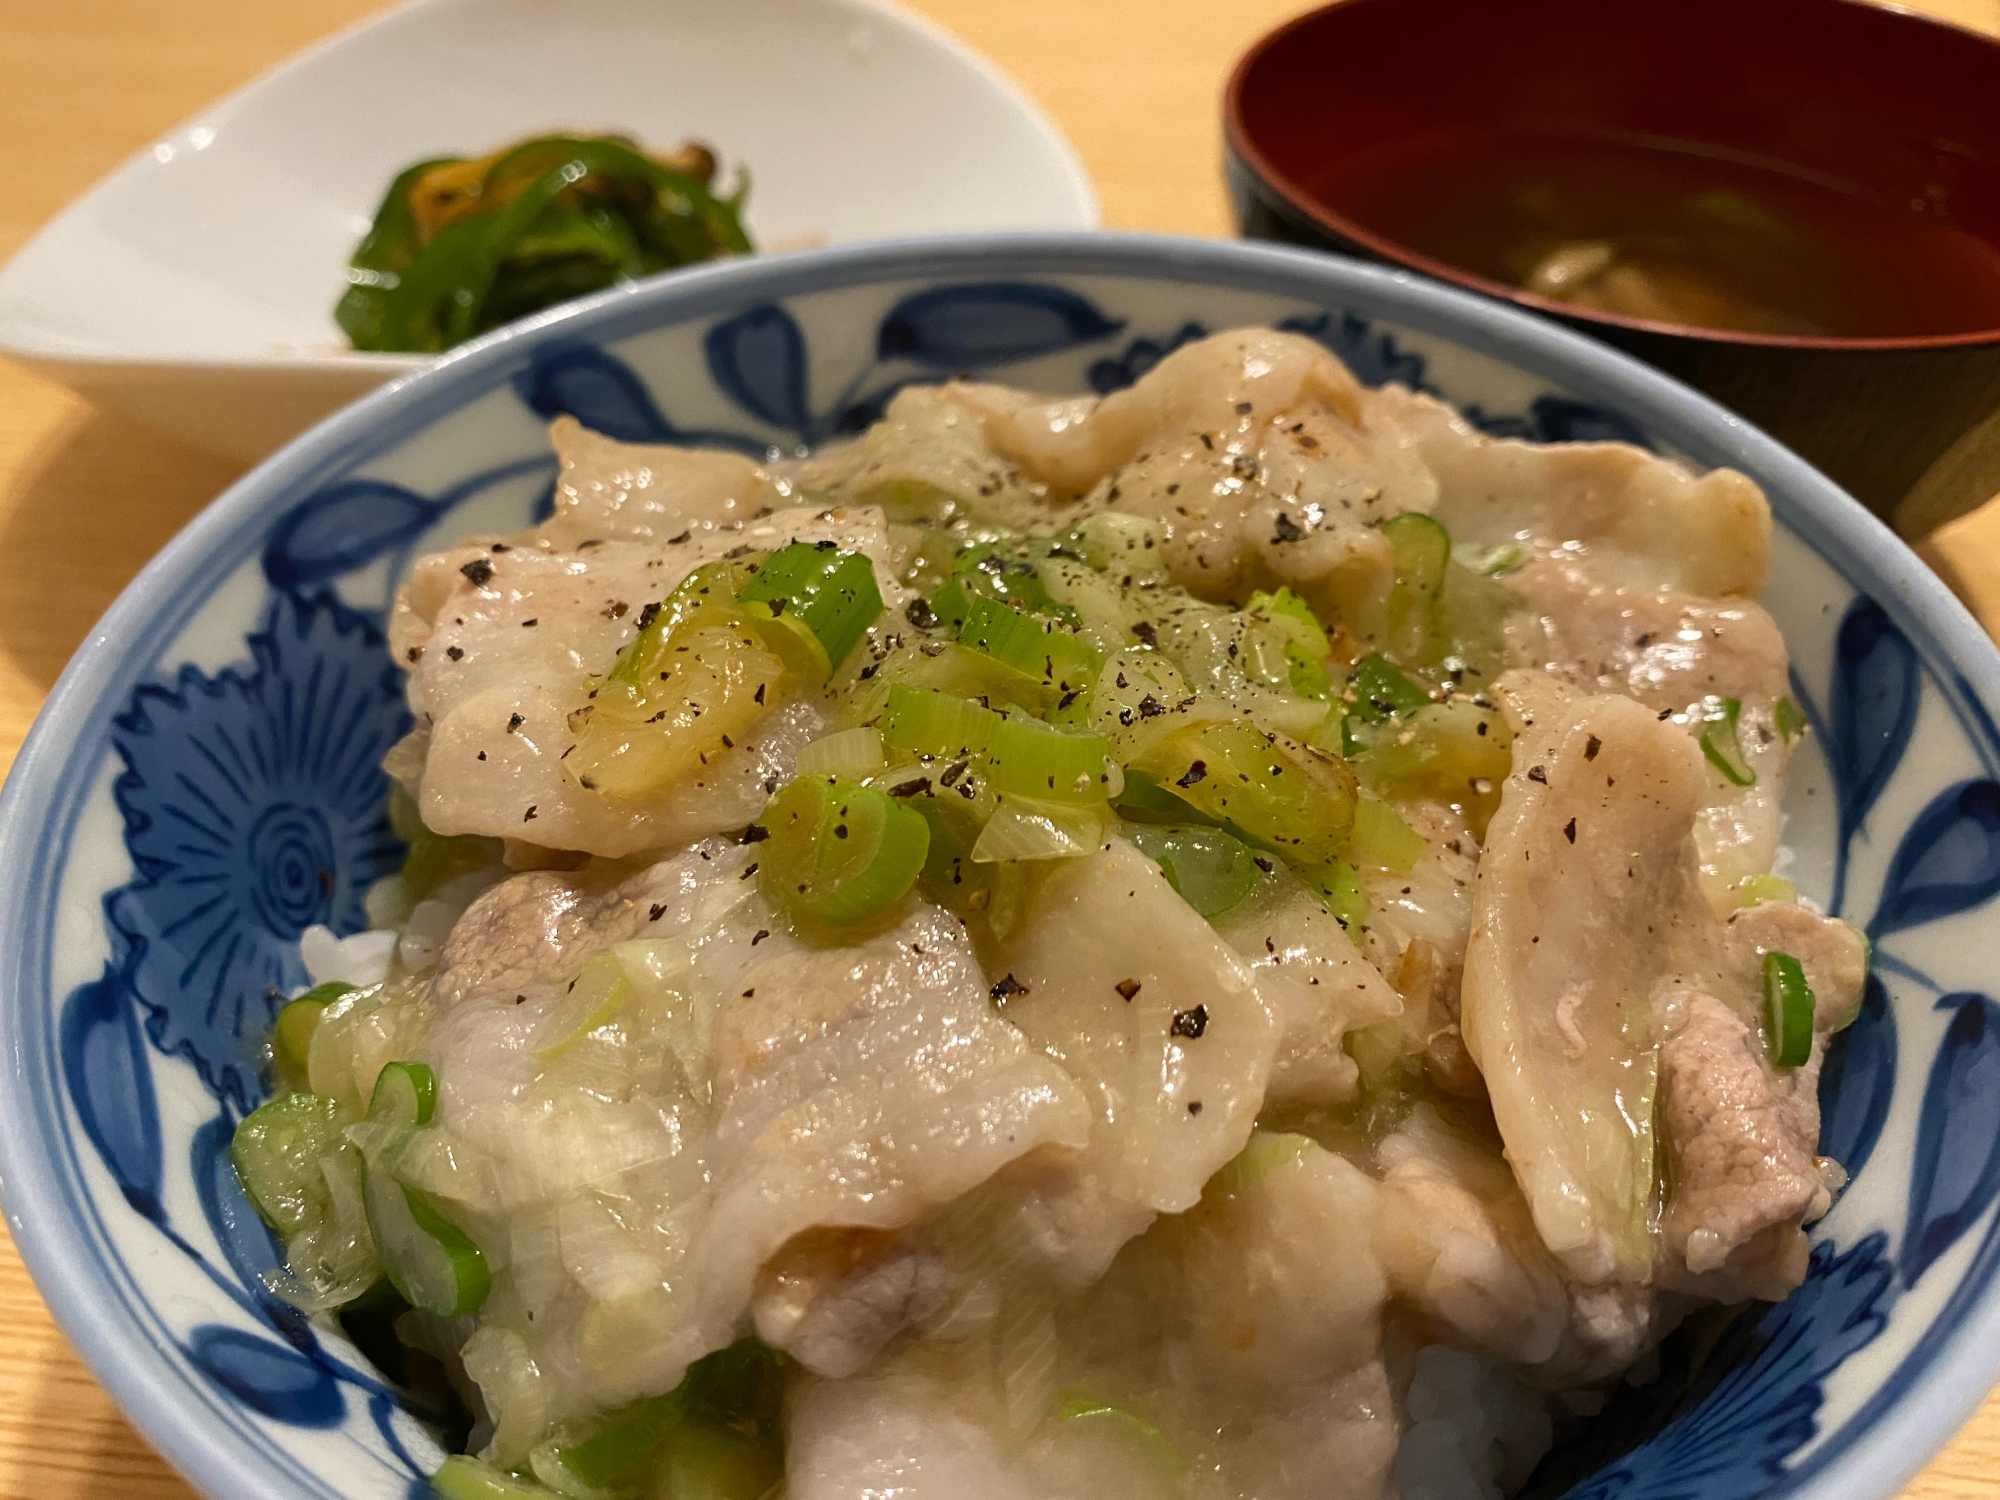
x: 1720, y: 743
x: 833, y: 593
x: 298, y: 1022
x: 427, y: 1258
x: 1030, y: 759
x: 1378, y: 689
x: 405, y: 1094
x: 936, y: 724
x: 1038, y: 647
x: 839, y: 852
x: 466, y: 1478
x: 277, y: 1151
x: 1211, y: 870
x: 1421, y: 548
x: 1788, y: 1010
x: 1339, y: 887
x: 1785, y: 714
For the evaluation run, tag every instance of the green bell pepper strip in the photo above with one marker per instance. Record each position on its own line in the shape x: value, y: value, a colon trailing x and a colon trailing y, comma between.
x: 1788, y: 1010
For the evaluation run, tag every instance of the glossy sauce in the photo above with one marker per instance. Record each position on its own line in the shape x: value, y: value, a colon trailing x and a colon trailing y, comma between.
x: 1673, y: 235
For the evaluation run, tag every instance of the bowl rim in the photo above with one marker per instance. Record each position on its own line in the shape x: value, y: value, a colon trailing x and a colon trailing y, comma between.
x: 42, y: 1191
x: 1240, y: 142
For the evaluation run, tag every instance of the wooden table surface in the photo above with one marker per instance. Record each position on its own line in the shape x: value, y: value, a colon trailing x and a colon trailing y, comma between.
x: 87, y: 497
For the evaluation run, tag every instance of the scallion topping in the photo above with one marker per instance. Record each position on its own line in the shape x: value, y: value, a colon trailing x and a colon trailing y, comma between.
x: 1211, y: 870
x: 1030, y: 759
x: 839, y: 852
x: 1039, y: 648
x: 1721, y: 744
x: 1788, y: 1010
x: 1422, y: 549
x: 831, y: 592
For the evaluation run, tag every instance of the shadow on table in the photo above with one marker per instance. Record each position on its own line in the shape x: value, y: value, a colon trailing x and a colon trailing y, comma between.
x: 89, y: 507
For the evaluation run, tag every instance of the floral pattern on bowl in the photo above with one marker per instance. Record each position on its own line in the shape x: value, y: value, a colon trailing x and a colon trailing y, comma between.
x: 193, y: 803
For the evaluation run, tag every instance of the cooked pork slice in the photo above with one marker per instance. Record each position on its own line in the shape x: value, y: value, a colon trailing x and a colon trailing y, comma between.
x: 502, y: 645
x: 1315, y: 981
x: 607, y: 490
x: 832, y: 1298
x: 1599, y: 977
x: 1133, y: 995
x: 1643, y: 521
x: 746, y: 1089
x: 1259, y: 456
x: 928, y: 460
x: 1668, y: 648
x: 536, y: 929
x: 1744, y: 1132
x: 1586, y: 904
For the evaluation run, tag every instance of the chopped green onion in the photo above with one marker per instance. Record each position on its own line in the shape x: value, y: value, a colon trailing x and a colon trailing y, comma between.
x: 1422, y: 549
x: 697, y: 675
x: 831, y: 591
x: 466, y: 1478
x: 1211, y: 870
x: 595, y: 997
x: 1146, y: 800
x: 1721, y: 744
x: 951, y: 605
x: 840, y: 852
x: 1491, y: 562
x: 277, y: 1151
x: 1306, y: 647
x: 427, y: 1258
x: 936, y: 724
x: 1030, y: 759
x: 983, y: 569
x: 1790, y: 722
x: 1383, y: 839
x: 1339, y: 887
x: 1752, y: 890
x: 405, y: 1094
x: 1038, y: 648
x: 292, y: 1033
x: 1788, y: 1010
x: 1025, y: 829
x: 1140, y: 1438
x: 710, y: 1459
x: 1455, y: 752
x: 1283, y: 796
x: 853, y: 753
x: 622, y: 1442
x: 1377, y: 689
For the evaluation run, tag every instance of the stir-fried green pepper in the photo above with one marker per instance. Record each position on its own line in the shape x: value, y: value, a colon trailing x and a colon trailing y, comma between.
x: 459, y: 247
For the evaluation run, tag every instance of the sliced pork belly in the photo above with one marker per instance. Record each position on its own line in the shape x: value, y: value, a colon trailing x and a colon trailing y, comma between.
x: 642, y: 492
x: 748, y: 1090
x: 1115, y: 978
x: 1598, y: 979
x: 1644, y: 522
x: 501, y: 640
x: 1315, y: 981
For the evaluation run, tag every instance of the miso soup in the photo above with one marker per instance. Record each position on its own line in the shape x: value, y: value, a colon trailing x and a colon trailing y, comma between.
x: 1671, y: 234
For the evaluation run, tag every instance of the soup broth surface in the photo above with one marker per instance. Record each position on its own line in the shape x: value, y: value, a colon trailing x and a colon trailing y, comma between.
x: 1673, y: 235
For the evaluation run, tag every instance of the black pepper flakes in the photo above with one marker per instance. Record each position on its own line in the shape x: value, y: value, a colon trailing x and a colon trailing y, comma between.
x: 1288, y: 530
x: 1189, y: 1023
x: 1147, y: 634
x: 456, y: 653
x: 479, y: 572
x: 1194, y: 1106
x: 656, y: 911
x: 759, y: 936
x: 1591, y: 746
x: 918, y: 613
x: 1007, y: 986
x: 1569, y: 830
x: 514, y: 722
x: 1536, y: 773
x: 1196, y: 773
x: 911, y: 788
x: 1127, y: 988
x: 756, y: 833
x: 529, y: 815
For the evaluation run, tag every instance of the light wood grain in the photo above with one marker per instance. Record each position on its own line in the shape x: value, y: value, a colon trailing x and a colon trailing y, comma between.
x: 86, y: 498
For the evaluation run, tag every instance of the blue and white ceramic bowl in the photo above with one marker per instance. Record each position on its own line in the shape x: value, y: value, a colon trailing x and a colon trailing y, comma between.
x: 204, y: 784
